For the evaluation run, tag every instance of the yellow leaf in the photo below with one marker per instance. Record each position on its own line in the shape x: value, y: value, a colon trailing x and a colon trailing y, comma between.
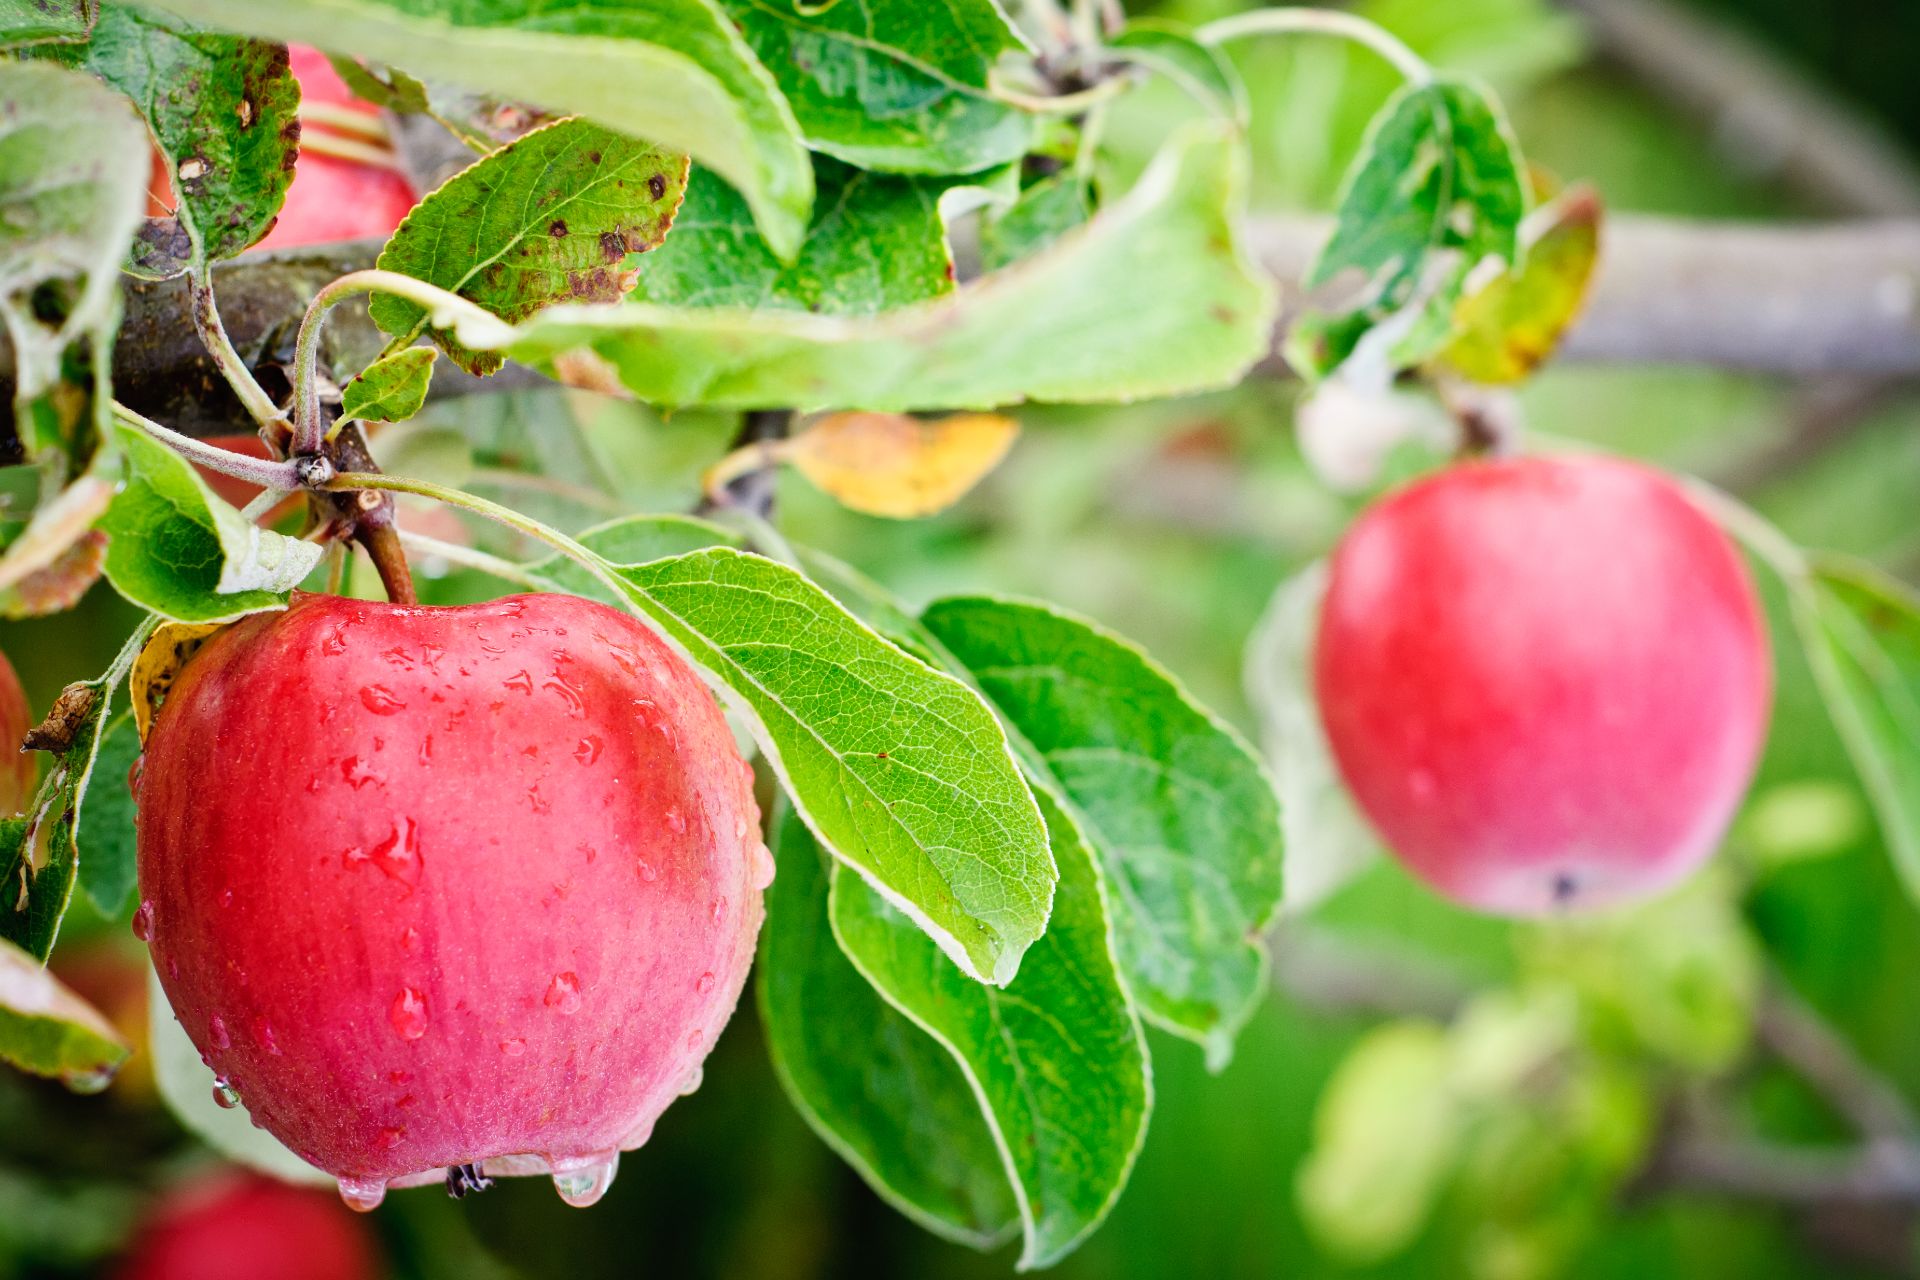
x: 159, y: 664
x: 1508, y: 328
x: 888, y: 464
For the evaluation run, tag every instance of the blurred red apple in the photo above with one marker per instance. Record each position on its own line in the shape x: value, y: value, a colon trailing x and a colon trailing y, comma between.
x: 236, y: 1226
x: 1546, y: 681
x: 19, y: 771
x: 432, y: 888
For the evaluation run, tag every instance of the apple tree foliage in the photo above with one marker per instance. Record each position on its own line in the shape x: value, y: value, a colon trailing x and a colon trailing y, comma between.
x: 1010, y: 839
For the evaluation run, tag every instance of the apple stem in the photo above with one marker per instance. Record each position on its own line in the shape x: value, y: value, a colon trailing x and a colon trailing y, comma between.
x: 381, y: 541
x: 213, y: 335
x: 1330, y: 22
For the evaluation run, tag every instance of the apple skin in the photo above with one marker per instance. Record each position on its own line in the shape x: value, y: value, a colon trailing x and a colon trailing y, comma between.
x: 19, y: 772
x: 443, y: 886
x: 235, y: 1226
x: 1546, y: 681
x: 333, y: 199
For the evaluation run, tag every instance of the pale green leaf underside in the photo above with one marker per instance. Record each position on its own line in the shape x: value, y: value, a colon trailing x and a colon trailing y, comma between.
x: 1153, y: 297
x: 47, y: 1029
x: 901, y: 770
x: 674, y: 72
x: 1057, y: 1059
x: 871, y: 1083
x: 1177, y: 807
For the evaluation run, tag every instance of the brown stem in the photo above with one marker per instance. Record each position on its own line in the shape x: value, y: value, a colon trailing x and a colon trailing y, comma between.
x: 381, y: 541
x: 365, y: 515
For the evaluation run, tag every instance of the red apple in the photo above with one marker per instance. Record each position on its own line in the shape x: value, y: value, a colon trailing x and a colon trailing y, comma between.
x: 1545, y: 681
x: 445, y: 887
x: 332, y: 198
x: 19, y: 774
x: 238, y: 1227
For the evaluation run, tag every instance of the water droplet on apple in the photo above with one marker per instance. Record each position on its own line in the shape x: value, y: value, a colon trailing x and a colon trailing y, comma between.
x: 719, y: 910
x: 691, y: 1084
x: 143, y: 922
x: 569, y: 694
x: 226, y: 897
x: 359, y: 773
x: 390, y: 1138
x: 582, y: 1182
x: 409, y: 938
x: 513, y: 1048
x: 638, y: 1136
x: 217, y: 1032
x: 519, y: 682
x: 263, y: 1036
x: 381, y: 700
x: 399, y: 854
x: 224, y: 1095
x: 588, y: 751
x: 695, y: 1038
x: 426, y: 749
x: 647, y: 872
x: 399, y: 657
x: 408, y: 1014
x: 363, y: 1195
x: 705, y: 984
x: 739, y: 826
x: 676, y: 821
x: 563, y: 993
x: 763, y: 866
x: 336, y: 641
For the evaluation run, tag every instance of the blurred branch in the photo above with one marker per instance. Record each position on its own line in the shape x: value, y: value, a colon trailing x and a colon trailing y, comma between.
x: 1768, y: 119
x: 1795, y: 1033
x: 1326, y: 971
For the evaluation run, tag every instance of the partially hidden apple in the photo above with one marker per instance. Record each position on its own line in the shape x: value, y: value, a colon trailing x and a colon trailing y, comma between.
x: 448, y: 892
x: 1545, y: 681
x: 332, y: 197
x: 235, y: 1226
x: 19, y: 773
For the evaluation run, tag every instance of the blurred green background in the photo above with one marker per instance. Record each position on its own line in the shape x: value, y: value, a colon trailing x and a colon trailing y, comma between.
x: 1511, y: 1143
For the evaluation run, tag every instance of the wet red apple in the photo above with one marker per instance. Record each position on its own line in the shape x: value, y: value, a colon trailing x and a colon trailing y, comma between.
x: 19, y: 773
x: 234, y: 1226
x: 1545, y: 681
x: 438, y: 888
x: 334, y: 198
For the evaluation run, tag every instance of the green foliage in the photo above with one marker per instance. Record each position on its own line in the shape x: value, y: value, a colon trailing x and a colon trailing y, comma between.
x: 1436, y: 191
x: 1065, y: 324
x: 28, y: 22
x: 895, y: 1103
x: 391, y: 389
x: 878, y: 85
x: 1201, y: 70
x: 1514, y: 322
x: 550, y: 217
x: 671, y: 71
x: 1177, y: 808
x: 1041, y: 214
x: 223, y: 110
x: 1057, y: 1059
x: 180, y: 551
x: 106, y: 820
x: 48, y: 1030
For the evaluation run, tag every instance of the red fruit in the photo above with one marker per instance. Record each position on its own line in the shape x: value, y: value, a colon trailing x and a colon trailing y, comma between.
x: 436, y: 887
x: 239, y: 1227
x: 331, y: 198
x: 1545, y: 681
x: 19, y: 774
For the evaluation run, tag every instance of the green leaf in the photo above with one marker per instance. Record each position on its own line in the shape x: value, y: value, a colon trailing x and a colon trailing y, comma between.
x: 552, y: 215
x: 633, y: 540
x: 1328, y: 843
x: 1176, y: 806
x: 48, y: 1030
x: 1386, y: 1136
x: 892, y: 84
x: 1861, y: 630
x: 1153, y: 297
x: 1058, y: 1058
x: 899, y: 769
x: 391, y: 389
x: 40, y: 854
x: 107, y: 850
x: 876, y: 242
x: 1200, y: 70
x: 224, y: 111
x: 186, y: 1086
x: 1044, y: 212
x: 1508, y: 328
x: 381, y: 85
x: 877, y: 1089
x: 73, y: 189
x: 1437, y: 190
x: 24, y: 22
x: 180, y: 551
x: 672, y: 71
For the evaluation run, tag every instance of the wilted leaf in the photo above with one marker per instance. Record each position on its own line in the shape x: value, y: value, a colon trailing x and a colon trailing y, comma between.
x: 888, y: 464
x: 48, y: 1030
x: 1507, y: 329
x: 59, y: 585
x: 158, y: 665
x: 391, y: 389
x: 551, y: 216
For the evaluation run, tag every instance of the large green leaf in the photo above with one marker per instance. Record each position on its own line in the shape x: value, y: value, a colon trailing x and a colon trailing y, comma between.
x: 181, y: 551
x: 1176, y: 806
x: 552, y: 215
x: 50, y: 1031
x: 1057, y: 1059
x: 675, y: 72
x: 901, y: 770
x: 107, y: 848
x: 24, y: 22
x: 873, y: 1085
x: 1437, y: 190
x: 1153, y: 297
x: 1862, y: 634
x: 391, y: 389
x: 224, y: 111
x: 899, y: 85
x: 877, y: 241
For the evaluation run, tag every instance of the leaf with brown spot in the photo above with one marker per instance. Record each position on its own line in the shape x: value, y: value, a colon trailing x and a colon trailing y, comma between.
x: 889, y: 464
x: 159, y: 665
x: 550, y: 217
x: 1510, y: 327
